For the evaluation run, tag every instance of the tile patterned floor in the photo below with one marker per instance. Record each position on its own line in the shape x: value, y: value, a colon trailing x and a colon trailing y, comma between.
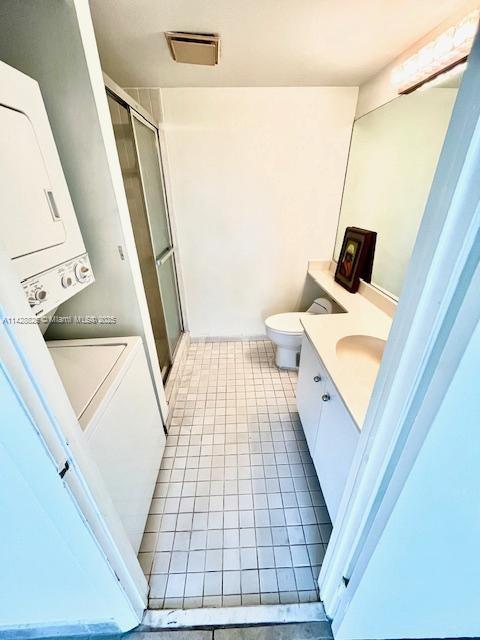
x: 238, y: 517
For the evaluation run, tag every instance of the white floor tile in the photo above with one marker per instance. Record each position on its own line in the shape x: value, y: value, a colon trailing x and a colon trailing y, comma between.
x: 268, y: 580
x: 196, y: 562
x: 158, y: 584
x: 175, y: 585
x: 249, y: 581
x: 178, y: 562
x: 231, y: 559
x: 213, y: 583
x: 231, y: 582
x: 238, y: 517
x: 194, y: 584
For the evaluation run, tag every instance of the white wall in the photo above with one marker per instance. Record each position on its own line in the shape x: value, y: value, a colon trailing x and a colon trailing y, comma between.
x: 422, y: 580
x: 256, y: 178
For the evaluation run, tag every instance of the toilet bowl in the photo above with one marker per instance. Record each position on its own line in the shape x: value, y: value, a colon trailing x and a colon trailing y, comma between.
x: 285, y: 331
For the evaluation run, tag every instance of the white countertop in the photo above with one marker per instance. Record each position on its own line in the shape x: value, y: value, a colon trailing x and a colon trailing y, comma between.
x: 363, y: 318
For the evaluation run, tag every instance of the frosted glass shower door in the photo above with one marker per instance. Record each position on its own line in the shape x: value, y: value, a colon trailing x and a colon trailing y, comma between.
x: 155, y: 200
x: 127, y: 155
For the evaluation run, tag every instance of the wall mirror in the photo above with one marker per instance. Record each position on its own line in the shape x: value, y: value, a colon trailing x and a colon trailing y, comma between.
x: 393, y: 156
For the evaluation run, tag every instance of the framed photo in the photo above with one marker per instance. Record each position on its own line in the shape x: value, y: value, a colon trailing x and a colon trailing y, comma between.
x: 356, y: 258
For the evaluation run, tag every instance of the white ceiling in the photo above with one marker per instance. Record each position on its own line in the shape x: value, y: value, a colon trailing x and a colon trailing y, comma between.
x: 263, y: 42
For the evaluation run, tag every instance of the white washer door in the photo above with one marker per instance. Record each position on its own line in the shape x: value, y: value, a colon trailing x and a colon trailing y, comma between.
x: 29, y: 217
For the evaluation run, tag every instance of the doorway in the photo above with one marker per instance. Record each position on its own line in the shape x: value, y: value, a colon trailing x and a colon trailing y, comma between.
x: 140, y: 161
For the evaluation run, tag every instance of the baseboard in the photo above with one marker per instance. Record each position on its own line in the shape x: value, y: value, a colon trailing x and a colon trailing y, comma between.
x: 229, y: 338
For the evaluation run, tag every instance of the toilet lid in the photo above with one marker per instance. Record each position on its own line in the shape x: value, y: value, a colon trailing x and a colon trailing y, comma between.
x: 286, y: 322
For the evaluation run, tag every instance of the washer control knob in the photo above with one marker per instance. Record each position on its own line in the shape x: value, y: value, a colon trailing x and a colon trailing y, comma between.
x: 82, y: 272
x: 66, y: 281
x: 40, y: 294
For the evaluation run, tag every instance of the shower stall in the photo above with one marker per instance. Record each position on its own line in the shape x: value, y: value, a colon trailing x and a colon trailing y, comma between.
x: 138, y: 149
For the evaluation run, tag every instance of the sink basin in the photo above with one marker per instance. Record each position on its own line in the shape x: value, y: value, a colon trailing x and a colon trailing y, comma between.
x: 363, y: 352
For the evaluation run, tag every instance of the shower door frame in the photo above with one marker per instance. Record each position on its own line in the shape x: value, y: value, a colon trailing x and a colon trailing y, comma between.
x: 142, y: 115
x: 171, y: 252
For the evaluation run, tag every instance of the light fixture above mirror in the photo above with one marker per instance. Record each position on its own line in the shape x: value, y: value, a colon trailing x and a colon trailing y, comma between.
x: 442, y: 54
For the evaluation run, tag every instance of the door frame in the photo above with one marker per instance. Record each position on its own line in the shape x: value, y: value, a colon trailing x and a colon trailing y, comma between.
x: 436, y: 316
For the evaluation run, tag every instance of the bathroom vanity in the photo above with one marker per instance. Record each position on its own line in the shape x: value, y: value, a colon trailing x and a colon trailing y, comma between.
x: 339, y: 362
x: 393, y: 155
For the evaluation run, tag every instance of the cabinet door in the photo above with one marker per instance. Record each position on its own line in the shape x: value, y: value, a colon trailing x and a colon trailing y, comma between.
x: 334, y: 448
x: 310, y: 387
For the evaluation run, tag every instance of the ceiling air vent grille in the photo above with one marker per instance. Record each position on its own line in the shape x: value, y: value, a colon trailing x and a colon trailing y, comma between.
x: 193, y: 48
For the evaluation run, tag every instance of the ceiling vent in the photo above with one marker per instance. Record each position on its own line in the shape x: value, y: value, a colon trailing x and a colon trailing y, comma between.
x: 193, y: 48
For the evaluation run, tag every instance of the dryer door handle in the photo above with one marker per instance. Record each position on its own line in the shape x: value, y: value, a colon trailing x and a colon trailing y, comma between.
x: 53, y: 205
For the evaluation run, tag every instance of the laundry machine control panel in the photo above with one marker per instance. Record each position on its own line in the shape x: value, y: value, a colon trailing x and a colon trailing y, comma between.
x: 47, y: 290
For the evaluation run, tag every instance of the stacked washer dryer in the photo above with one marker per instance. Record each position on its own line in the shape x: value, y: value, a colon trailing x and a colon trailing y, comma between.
x: 107, y: 380
x: 39, y: 228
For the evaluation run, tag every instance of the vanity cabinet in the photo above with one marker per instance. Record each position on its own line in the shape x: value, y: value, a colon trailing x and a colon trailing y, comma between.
x: 310, y: 388
x: 330, y: 431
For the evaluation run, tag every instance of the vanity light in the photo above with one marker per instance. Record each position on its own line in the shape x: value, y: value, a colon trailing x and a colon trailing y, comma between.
x: 447, y: 50
x: 446, y: 76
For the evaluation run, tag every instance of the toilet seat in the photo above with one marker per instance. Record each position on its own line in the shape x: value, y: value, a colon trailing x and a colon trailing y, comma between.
x: 288, y: 323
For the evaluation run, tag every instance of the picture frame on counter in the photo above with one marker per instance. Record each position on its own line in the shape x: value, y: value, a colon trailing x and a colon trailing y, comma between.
x: 356, y: 258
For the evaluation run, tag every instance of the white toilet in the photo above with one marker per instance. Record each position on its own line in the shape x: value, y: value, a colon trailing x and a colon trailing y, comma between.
x: 286, y: 331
